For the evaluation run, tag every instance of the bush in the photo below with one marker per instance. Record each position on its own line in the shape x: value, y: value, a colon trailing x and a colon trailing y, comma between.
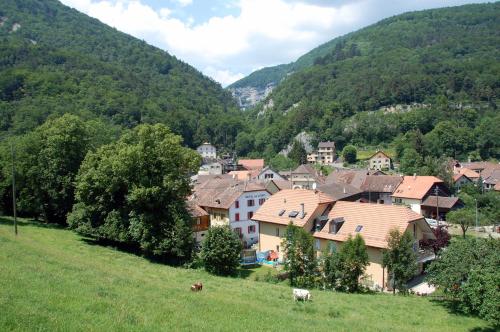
x: 350, y: 154
x: 221, y: 251
x: 467, y: 271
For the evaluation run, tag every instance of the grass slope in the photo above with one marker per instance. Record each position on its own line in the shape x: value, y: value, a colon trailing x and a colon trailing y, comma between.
x: 51, y: 279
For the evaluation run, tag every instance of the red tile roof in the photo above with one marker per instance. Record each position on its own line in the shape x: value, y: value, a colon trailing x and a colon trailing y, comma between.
x: 251, y: 164
x: 290, y: 200
x: 415, y: 187
x: 376, y: 221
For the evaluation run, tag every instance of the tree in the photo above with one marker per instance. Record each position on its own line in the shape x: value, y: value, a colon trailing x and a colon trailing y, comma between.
x: 467, y: 272
x: 300, y: 257
x: 221, y: 250
x: 350, y: 154
x: 442, y: 239
x: 342, y: 270
x: 464, y: 218
x: 298, y: 152
x: 133, y: 191
x: 400, y: 259
x: 282, y: 163
x: 410, y: 161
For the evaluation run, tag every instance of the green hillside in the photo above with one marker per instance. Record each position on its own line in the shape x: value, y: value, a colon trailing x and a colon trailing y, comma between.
x: 53, y: 280
x: 55, y: 60
x: 440, y: 65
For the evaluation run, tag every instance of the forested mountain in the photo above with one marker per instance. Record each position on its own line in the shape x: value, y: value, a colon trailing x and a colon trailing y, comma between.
x: 55, y: 60
x: 439, y: 68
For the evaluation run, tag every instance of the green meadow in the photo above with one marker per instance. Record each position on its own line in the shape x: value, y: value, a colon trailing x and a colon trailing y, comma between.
x: 51, y: 279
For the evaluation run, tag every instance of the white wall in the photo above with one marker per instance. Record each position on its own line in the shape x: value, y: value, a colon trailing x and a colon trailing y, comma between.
x: 243, y: 211
x: 269, y: 172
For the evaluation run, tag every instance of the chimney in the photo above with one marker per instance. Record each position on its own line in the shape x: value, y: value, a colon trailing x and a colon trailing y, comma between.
x: 249, y: 176
x: 345, y: 191
x: 302, y: 210
x: 414, y: 176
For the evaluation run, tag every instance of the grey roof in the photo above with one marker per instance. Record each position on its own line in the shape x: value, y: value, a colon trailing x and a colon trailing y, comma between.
x: 444, y: 202
x: 381, y: 183
x: 327, y: 144
x: 339, y: 191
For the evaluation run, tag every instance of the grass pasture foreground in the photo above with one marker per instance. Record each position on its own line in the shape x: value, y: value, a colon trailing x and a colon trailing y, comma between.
x: 53, y: 280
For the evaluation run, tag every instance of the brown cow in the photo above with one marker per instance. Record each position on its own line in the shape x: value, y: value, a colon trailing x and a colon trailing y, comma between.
x: 197, y: 287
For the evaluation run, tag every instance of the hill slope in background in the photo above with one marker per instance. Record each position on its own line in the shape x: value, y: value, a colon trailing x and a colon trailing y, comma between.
x: 440, y: 56
x: 54, y: 60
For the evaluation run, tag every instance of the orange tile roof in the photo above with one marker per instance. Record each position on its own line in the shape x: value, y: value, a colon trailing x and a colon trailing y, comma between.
x: 415, y: 186
x: 243, y: 175
x: 376, y: 221
x: 497, y: 187
x: 250, y: 164
x: 468, y: 173
x: 290, y: 200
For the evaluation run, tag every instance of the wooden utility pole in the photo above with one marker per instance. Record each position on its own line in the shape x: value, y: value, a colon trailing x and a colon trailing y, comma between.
x: 14, y: 186
x: 437, y: 205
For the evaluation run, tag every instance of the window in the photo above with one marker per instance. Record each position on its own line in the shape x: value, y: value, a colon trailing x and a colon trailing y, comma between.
x: 398, y: 201
x: 277, y: 248
x: 237, y: 230
x: 251, y: 229
x: 249, y: 215
x: 261, y: 201
x: 198, y: 221
x: 268, y: 176
x: 277, y: 231
x: 250, y: 202
x: 358, y: 228
x: 237, y: 204
x: 237, y: 217
x: 317, y: 244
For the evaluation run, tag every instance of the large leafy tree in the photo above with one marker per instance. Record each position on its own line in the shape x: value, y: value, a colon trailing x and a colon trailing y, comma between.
x: 350, y: 154
x: 463, y: 218
x: 47, y: 161
x: 300, y: 256
x: 467, y: 272
x: 343, y: 270
x: 400, y: 259
x: 221, y: 250
x: 133, y: 191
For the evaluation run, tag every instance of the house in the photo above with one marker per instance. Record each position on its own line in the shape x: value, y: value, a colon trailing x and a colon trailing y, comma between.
x: 484, y: 168
x: 379, y: 188
x: 267, y: 173
x: 413, y: 190
x: 229, y: 201
x: 325, y: 155
x: 491, y: 181
x: 251, y: 164
x: 201, y: 221
x: 460, y: 180
x: 373, y: 222
x: 244, y: 175
x: 434, y: 205
x: 470, y: 174
x: 380, y: 161
x: 376, y: 187
x: 207, y: 150
x: 301, y: 207
x: 341, y: 191
x: 210, y: 168
x: 306, y: 177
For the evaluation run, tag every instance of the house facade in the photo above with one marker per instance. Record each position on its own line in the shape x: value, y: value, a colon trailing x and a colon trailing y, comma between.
x: 413, y: 190
x: 306, y: 177
x: 373, y: 222
x: 211, y: 168
x: 207, y: 150
x: 324, y: 155
x: 229, y: 201
x: 380, y: 161
x: 267, y: 173
x: 201, y: 221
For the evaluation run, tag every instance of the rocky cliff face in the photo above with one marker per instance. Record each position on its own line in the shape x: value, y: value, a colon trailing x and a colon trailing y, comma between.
x: 248, y: 96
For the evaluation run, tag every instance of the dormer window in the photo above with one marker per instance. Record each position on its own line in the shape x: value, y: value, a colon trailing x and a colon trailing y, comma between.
x: 336, y: 224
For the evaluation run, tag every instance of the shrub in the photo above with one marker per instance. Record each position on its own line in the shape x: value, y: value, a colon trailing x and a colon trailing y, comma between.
x: 221, y: 251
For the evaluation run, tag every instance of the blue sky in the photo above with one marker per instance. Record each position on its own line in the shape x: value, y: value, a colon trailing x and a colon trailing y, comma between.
x: 228, y: 39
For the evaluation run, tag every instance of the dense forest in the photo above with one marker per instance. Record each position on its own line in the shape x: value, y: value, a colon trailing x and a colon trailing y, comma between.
x: 55, y: 60
x: 440, y: 68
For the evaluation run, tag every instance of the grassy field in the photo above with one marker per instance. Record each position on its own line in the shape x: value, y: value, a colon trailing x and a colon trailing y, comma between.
x: 52, y: 280
x: 365, y: 154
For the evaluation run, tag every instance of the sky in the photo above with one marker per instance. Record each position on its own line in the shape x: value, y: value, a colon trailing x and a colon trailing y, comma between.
x: 229, y: 39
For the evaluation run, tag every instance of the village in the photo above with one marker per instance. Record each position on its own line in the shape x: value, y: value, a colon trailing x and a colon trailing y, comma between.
x: 258, y: 203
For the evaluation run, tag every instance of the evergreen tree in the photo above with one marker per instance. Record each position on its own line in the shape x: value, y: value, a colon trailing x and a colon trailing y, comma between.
x: 298, y: 153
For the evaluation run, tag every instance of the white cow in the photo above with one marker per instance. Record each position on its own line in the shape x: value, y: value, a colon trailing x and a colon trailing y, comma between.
x: 301, y: 294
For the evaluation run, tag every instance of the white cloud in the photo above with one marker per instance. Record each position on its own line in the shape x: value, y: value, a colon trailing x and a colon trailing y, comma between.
x: 184, y: 3
x: 264, y: 33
